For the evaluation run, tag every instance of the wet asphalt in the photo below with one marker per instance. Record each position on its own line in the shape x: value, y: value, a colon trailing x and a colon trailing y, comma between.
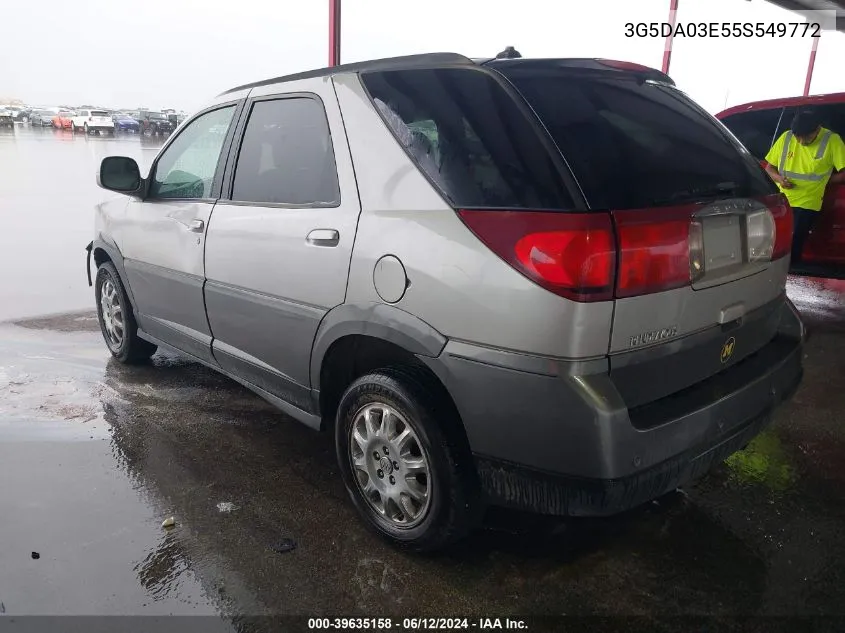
x: 95, y: 455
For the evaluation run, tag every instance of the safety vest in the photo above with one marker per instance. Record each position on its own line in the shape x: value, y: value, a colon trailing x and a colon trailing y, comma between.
x: 825, y: 139
x: 804, y: 167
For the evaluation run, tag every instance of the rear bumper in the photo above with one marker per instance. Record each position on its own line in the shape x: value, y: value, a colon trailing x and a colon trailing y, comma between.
x: 564, y: 443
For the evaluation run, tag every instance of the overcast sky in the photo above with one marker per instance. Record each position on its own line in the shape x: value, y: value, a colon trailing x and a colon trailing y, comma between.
x: 179, y: 53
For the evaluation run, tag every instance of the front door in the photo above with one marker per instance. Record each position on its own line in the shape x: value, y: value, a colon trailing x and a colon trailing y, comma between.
x: 163, y: 236
x: 278, y: 251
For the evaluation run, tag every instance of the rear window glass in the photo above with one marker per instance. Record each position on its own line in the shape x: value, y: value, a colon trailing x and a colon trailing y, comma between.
x: 467, y: 134
x: 634, y: 144
x: 99, y: 113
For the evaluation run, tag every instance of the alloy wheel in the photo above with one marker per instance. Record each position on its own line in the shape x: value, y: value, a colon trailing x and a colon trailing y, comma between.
x: 112, y: 314
x: 390, y: 465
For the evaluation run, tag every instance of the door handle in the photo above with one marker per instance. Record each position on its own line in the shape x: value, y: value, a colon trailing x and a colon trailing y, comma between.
x: 196, y: 226
x: 323, y: 237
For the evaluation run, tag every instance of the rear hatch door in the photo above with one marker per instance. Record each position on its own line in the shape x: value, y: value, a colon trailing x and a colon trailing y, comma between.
x: 703, y: 234
x: 100, y: 117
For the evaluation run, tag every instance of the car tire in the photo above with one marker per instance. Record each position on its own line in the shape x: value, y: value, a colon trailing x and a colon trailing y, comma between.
x: 117, y: 320
x: 85, y: 128
x: 434, y: 502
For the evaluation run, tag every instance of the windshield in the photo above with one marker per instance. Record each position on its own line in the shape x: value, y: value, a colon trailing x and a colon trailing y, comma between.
x: 99, y: 113
x: 156, y: 115
x: 634, y: 144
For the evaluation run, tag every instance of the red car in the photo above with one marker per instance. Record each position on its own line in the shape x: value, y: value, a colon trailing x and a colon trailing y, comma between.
x: 63, y: 120
x: 758, y: 125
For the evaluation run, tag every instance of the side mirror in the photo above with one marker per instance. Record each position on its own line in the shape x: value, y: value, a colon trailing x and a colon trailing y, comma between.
x: 119, y: 173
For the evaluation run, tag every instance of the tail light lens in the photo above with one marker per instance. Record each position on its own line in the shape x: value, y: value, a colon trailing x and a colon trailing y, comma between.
x: 598, y: 256
x: 760, y: 229
x: 570, y: 254
x: 658, y: 250
x: 90, y: 118
x: 782, y: 216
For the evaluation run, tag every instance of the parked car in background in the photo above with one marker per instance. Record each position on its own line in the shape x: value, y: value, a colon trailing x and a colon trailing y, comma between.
x: 154, y: 124
x: 7, y: 118
x: 41, y: 118
x: 569, y: 350
x: 23, y: 115
x: 125, y: 123
x: 19, y: 113
x: 64, y: 120
x: 91, y: 121
x: 758, y: 125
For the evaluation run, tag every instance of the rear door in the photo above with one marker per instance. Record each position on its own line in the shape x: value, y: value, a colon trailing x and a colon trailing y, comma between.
x: 278, y: 250
x: 688, y: 202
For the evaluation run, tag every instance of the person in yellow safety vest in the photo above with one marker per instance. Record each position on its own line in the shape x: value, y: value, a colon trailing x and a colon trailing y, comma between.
x: 802, y: 161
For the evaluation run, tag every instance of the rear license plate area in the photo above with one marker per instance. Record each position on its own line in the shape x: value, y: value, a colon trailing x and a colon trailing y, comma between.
x: 722, y: 242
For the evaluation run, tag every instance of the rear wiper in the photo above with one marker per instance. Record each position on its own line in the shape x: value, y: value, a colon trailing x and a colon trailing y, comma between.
x: 699, y: 193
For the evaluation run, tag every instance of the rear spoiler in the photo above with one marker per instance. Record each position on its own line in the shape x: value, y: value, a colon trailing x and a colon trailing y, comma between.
x: 643, y: 73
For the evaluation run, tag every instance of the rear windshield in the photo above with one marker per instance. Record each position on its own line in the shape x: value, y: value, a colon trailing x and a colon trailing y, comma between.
x: 468, y: 135
x: 634, y: 144
x: 99, y: 113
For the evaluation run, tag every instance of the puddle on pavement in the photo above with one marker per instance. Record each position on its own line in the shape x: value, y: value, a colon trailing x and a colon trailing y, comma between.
x: 181, y: 440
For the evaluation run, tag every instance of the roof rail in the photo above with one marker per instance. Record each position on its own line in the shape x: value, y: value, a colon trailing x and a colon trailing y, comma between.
x: 389, y: 63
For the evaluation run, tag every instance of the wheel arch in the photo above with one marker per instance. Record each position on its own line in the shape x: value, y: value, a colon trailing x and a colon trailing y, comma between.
x: 354, y: 339
x: 102, y: 252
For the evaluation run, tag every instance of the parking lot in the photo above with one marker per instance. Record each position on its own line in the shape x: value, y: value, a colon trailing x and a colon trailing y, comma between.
x: 95, y: 455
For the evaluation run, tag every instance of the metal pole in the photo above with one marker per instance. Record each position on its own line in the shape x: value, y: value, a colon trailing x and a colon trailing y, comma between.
x: 334, y: 32
x: 667, y: 47
x: 811, y: 65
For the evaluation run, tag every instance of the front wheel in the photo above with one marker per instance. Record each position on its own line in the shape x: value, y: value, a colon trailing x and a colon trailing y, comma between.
x: 117, y: 321
x: 403, y: 459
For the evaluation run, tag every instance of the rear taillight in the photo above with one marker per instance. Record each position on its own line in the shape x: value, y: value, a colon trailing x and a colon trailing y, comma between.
x: 90, y: 118
x: 760, y: 235
x: 570, y: 254
x: 659, y: 250
x: 598, y: 256
x: 782, y: 216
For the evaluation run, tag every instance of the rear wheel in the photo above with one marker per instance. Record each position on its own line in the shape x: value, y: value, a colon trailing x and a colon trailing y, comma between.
x: 402, y: 461
x: 117, y: 322
x: 85, y: 128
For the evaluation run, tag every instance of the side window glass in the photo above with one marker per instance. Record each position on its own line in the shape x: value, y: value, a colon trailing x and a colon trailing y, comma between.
x: 755, y: 130
x: 186, y: 168
x: 785, y: 121
x: 470, y: 137
x: 833, y: 117
x: 286, y: 156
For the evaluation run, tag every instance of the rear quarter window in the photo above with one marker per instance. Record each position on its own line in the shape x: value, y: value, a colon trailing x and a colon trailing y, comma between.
x: 469, y: 137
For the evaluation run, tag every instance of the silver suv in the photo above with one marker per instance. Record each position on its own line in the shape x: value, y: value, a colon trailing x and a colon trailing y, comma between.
x: 554, y: 285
